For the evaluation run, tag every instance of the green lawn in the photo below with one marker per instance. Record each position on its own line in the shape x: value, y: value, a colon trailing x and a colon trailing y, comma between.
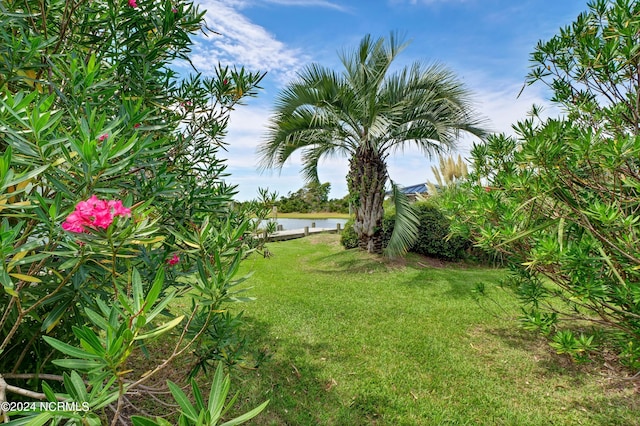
x: 349, y: 339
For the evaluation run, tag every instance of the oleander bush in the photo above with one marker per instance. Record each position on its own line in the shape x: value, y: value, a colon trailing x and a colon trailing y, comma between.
x: 560, y: 201
x: 113, y: 200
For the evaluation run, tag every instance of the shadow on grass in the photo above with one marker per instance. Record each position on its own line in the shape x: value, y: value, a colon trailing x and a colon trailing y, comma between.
x: 351, y: 262
x: 557, y: 364
x: 355, y: 261
x: 288, y: 372
x: 535, y: 345
x: 599, y: 409
x: 451, y: 284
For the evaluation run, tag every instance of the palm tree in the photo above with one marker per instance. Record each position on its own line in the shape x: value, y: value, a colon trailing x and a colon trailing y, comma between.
x: 365, y: 113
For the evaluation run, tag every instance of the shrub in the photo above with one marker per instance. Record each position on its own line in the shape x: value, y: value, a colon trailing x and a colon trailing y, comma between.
x: 107, y: 214
x: 388, y: 222
x: 433, y: 232
x: 433, y: 235
x: 348, y: 238
x: 560, y: 200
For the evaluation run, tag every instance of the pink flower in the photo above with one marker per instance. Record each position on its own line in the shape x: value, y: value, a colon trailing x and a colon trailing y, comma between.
x: 174, y: 10
x: 73, y: 224
x: 94, y: 213
x: 133, y: 3
x: 174, y: 260
x: 135, y: 126
x: 118, y: 208
x: 102, y: 219
x: 103, y: 137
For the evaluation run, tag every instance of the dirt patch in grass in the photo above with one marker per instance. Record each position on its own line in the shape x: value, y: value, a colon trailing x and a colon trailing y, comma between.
x: 432, y: 262
x: 328, y: 239
x: 153, y: 397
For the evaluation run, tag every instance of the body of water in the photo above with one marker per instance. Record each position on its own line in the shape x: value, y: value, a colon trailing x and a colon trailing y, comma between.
x: 288, y: 224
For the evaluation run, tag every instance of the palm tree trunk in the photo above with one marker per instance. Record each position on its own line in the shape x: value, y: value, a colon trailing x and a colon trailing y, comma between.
x: 366, y: 182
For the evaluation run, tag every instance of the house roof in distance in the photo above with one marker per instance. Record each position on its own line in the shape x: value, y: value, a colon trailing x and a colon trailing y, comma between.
x: 420, y: 188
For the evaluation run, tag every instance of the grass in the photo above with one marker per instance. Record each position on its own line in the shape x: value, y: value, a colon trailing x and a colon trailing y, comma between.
x: 343, y: 338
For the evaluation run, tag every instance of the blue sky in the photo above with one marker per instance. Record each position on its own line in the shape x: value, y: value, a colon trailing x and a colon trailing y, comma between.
x: 487, y: 43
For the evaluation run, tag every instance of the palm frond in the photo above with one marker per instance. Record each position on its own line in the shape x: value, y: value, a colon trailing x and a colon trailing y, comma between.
x: 311, y: 158
x: 429, y: 107
x: 405, y: 230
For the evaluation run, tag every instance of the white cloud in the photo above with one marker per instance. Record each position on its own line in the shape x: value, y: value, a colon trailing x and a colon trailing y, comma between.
x: 241, y: 42
x: 309, y: 3
x: 247, y: 128
x: 498, y: 102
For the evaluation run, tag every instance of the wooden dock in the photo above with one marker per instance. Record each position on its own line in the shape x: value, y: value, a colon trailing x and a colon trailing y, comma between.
x: 299, y: 233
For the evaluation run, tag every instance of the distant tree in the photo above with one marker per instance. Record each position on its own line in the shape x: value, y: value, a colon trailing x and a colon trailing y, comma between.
x: 313, y: 197
x: 338, y: 205
x: 365, y: 113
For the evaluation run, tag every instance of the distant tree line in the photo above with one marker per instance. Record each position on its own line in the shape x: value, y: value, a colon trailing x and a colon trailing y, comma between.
x: 313, y: 197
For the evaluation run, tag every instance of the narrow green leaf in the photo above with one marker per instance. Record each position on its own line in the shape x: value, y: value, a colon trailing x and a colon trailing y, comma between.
x: 161, y: 329
x: 122, y: 298
x: 80, y: 388
x: 405, y: 230
x: 143, y: 421
x: 105, y: 400
x: 26, y: 176
x: 78, y: 364
x: 155, y: 290
x: 246, y: 416
x: 138, y: 292
x: 197, y: 395
x: 97, y: 319
x: 69, y: 263
x: 607, y: 259
x: 161, y: 306
x: 69, y: 387
x: 30, y: 259
x: 68, y: 349
x: 89, y: 340
x: 34, y: 420
x: 187, y: 409
x: 49, y: 393
x: 218, y: 393
x: 52, y: 318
